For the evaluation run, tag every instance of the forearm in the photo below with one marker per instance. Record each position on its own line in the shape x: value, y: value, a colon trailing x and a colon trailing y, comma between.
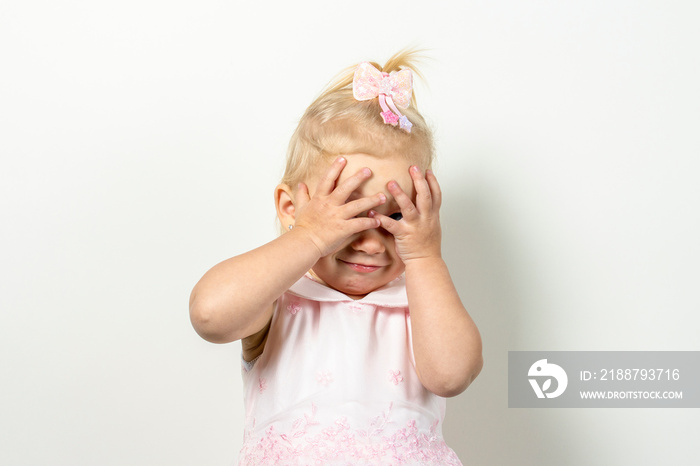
x: 234, y: 298
x: 446, y: 342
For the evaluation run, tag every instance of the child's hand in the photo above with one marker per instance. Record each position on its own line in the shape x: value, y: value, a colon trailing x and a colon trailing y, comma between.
x: 327, y: 218
x: 417, y: 234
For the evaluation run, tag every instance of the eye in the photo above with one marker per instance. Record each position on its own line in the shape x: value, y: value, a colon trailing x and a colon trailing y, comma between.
x: 396, y: 216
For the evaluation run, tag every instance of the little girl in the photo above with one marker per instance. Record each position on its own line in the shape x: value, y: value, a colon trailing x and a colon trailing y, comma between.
x: 352, y: 330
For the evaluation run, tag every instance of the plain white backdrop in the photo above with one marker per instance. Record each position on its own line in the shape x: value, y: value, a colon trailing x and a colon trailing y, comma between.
x: 141, y: 142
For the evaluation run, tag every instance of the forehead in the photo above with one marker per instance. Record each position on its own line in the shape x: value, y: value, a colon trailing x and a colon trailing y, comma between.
x: 384, y: 169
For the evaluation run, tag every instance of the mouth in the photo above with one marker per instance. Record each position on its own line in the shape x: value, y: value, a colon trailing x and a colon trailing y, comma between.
x: 361, y: 268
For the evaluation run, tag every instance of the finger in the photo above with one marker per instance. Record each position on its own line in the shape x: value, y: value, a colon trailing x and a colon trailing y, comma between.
x: 435, y: 190
x: 359, y: 224
x: 388, y: 223
x: 302, y: 196
x: 329, y: 178
x: 353, y: 208
x: 423, y: 198
x: 343, y: 190
x: 408, y: 210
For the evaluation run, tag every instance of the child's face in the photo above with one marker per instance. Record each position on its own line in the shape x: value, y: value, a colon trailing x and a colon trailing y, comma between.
x: 367, y: 260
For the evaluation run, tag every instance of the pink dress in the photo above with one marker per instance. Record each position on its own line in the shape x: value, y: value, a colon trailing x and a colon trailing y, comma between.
x: 336, y: 385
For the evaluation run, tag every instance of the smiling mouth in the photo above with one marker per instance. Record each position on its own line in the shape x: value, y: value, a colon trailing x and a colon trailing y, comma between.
x: 362, y: 268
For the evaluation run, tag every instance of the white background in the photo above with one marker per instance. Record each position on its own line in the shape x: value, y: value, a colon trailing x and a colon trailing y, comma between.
x: 141, y: 142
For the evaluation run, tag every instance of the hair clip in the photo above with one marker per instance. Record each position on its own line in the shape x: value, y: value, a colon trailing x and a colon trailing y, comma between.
x: 393, y: 89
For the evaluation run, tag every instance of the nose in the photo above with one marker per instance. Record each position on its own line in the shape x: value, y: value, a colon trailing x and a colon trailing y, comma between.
x: 369, y: 242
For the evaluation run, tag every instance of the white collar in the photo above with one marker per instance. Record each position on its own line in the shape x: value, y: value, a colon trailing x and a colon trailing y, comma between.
x: 393, y: 294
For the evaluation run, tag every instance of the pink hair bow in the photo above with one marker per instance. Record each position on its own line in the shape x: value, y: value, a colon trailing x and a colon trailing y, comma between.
x: 393, y: 89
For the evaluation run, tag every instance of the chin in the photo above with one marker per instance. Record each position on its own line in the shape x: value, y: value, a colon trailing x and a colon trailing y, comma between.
x: 360, y: 286
x: 356, y: 285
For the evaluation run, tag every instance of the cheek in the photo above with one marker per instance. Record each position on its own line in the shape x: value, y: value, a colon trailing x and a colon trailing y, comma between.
x: 390, y: 245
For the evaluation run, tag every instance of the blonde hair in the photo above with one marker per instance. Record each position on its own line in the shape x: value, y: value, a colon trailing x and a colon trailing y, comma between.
x: 335, y: 123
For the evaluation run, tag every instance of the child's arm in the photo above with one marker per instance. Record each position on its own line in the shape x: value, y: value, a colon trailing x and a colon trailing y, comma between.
x: 235, y: 298
x: 446, y: 342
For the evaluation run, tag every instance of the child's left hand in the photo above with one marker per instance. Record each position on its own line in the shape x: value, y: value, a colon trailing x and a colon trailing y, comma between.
x: 417, y: 234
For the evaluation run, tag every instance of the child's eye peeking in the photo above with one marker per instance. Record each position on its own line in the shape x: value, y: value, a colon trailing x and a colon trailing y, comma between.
x: 396, y: 216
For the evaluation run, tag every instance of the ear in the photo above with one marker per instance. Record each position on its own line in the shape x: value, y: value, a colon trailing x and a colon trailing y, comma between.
x: 284, y: 202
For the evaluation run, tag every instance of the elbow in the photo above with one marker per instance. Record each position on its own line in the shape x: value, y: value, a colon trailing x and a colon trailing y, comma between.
x: 454, y: 382
x: 446, y: 388
x: 204, y: 321
x: 473, y: 370
x: 469, y: 374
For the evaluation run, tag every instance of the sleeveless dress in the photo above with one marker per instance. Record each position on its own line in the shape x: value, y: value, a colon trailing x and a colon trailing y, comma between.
x: 336, y: 385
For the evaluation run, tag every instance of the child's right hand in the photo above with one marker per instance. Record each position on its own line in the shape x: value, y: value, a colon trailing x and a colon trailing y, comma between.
x: 327, y: 218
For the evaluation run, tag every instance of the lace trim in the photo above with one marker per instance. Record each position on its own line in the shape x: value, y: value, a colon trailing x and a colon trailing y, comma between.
x: 341, y: 444
x: 248, y: 365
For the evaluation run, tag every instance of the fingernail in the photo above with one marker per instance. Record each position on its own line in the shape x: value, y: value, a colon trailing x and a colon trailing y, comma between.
x: 366, y: 171
x: 371, y: 214
x: 414, y: 169
x: 428, y: 172
x: 382, y: 197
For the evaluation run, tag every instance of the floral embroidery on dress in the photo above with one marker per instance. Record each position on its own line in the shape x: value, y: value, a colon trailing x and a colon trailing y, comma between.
x: 339, y: 443
x: 262, y: 384
x: 395, y: 377
x: 303, y: 422
x: 360, y: 307
x: 324, y: 378
x: 293, y: 307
